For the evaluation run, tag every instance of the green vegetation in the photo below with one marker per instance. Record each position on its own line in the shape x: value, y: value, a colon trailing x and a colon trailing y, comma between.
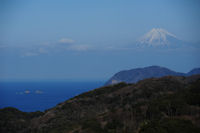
x: 163, y: 105
x: 170, y: 126
x: 12, y: 120
x: 93, y: 125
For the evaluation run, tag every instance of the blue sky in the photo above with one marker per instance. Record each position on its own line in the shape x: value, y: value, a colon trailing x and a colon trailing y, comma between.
x: 85, y: 40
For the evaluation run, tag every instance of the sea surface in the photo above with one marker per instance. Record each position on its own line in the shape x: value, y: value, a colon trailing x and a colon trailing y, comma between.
x: 33, y: 96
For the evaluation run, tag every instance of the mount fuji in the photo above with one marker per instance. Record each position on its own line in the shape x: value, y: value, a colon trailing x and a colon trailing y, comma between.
x: 158, y: 37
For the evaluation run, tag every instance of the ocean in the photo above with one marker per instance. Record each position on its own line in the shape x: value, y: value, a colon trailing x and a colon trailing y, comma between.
x: 39, y: 96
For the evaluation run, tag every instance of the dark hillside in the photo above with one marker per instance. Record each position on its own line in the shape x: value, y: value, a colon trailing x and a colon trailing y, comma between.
x: 158, y: 105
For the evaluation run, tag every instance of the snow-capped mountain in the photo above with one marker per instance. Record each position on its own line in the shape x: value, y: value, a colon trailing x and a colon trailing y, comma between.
x: 159, y: 37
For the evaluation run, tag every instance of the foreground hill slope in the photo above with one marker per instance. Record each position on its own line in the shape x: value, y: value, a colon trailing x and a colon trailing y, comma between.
x: 156, y: 105
x: 135, y: 75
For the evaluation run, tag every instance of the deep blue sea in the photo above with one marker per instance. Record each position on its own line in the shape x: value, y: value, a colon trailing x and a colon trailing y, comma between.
x: 33, y: 96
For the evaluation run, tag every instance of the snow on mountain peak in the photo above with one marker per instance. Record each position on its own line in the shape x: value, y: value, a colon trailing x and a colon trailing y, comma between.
x: 157, y: 37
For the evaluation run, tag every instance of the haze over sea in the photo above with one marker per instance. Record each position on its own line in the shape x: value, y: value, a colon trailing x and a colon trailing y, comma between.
x: 41, y: 95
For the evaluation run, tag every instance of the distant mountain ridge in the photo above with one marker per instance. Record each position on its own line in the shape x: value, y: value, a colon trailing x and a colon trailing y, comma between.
x: 135, y: 75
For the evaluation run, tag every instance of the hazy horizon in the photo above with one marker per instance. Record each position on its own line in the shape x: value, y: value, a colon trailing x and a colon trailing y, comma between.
x: 92, y: 40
